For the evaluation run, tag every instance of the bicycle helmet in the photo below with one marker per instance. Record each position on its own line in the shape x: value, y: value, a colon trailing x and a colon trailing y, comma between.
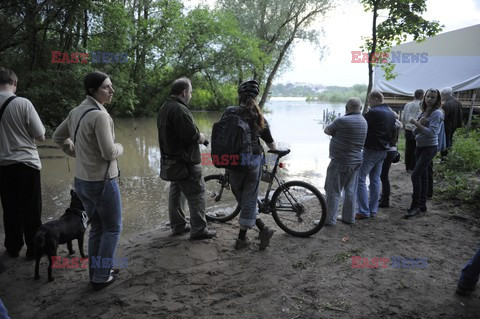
x: 249, y: 88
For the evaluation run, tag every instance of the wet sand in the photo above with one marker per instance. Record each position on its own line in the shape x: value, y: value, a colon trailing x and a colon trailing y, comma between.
x: 173, y: 277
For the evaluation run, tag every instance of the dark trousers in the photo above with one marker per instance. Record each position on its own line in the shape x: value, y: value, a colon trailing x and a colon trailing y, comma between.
x: 448, y: 140
x: 410, y: 146
x: 430, y: 180
x: 424, y: 156
x: 21, y: 195
x: 471, y: 272
x: 387, y: 163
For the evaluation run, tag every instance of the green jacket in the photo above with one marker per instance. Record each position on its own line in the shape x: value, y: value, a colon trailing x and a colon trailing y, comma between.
x: 177, y: 133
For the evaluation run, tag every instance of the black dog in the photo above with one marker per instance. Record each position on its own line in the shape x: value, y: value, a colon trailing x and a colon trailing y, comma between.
x: 68, y: 227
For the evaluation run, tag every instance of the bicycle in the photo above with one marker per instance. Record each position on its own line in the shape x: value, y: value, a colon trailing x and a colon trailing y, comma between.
x: 296, y: 206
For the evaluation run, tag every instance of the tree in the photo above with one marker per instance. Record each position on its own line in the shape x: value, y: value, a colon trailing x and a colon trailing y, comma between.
x: 404, y: 17
x: 277, y: 24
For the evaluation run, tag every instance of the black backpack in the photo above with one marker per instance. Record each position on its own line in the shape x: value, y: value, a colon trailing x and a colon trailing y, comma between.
x: 232, y: 145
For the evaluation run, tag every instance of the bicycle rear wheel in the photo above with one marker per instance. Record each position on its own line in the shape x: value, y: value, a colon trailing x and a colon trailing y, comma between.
x: 299, y: 208
x: 221, y: 205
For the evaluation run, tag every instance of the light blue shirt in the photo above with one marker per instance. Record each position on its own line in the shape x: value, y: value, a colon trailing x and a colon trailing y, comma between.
x: 428, y: 135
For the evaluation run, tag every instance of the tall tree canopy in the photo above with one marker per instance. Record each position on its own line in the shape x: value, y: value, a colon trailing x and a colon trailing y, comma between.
x: 276, y: 23
x: 403, y: 18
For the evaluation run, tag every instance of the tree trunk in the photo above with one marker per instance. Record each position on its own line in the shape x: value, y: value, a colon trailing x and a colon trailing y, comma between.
x: 85, y: 29
x: 272, y: 74
x: 370, y: 55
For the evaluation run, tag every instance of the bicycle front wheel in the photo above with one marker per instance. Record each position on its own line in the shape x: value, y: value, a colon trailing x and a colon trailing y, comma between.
x: 221, y: 205
x: 299, y: 208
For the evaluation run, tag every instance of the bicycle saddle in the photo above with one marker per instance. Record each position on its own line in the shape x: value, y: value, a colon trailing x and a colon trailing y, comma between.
x: 280, y: 153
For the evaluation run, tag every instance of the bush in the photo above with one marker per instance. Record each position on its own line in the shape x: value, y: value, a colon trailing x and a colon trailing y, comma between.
x: 459, y: 175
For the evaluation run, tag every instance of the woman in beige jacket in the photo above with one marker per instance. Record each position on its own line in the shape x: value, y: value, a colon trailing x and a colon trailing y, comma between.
x: 88, y: 135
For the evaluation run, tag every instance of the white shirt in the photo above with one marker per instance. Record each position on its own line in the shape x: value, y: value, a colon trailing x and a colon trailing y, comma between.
x: 411, y: 110
x: 19, y: 126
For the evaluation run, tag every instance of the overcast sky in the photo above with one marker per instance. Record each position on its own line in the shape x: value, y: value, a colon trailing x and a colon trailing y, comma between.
x: 344, y: 28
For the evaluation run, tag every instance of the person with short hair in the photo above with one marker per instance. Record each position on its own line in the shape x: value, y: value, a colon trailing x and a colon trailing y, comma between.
x: 381, y: 123
x: 426, y: 132
x: 453, y: 117
x: 411, y: 110
x: 88, y: 135
x: 20, y: 185
x: 348, y: 136
x: 179, y: 139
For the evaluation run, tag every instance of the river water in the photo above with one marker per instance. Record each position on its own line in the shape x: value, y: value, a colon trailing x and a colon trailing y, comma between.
x: 294, y: 123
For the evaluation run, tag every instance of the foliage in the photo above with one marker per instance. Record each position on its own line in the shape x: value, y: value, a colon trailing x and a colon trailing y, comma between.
x: 340, y: 94
x: 404, y: 18
x: 459, y: 174
x: 276, y: 23
x: 161, y: 40
x: 293, y: 90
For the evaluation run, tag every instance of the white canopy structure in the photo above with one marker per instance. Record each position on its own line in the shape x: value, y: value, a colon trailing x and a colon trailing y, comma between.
x: 449, y: 59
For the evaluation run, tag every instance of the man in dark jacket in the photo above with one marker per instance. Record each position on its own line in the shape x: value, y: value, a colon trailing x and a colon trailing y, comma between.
x: 179, y: 140
x: 453, y: 116
x: 381, y: 123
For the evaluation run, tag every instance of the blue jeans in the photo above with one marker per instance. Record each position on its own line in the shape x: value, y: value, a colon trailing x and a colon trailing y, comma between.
x: 471, y: 272
x: 371, y: 166
x: 423, y: 155
x: 341, y: 177
x: 3, y: 311
x: 245, y: 188
x: 103, y: 206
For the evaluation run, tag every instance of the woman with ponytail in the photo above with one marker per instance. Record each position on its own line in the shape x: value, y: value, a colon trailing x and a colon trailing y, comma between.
x: 245, y: 183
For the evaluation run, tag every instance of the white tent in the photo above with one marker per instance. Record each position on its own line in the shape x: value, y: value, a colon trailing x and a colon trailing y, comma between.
x: 448, y: 59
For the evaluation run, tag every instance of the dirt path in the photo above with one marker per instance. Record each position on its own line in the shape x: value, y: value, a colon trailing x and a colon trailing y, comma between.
x: 172, y: 277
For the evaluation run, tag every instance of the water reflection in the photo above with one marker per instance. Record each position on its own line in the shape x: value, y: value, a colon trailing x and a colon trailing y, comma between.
x: 294, y: 124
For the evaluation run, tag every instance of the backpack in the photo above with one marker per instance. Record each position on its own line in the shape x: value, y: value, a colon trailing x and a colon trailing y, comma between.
x: 232, y: 145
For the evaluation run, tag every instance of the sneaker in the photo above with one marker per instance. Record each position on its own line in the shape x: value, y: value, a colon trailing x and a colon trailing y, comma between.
x: 205, y: 234
x: 265, y: 234
x: 241, y: 244
x: 359, y: 216
x: 100, y: 285
x: 414, y: 211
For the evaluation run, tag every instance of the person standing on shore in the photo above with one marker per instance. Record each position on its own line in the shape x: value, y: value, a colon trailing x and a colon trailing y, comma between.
x: 348, y: 136
x: 20, y: 186
x: 88, y: 134
x: 179, y: 140
x: 411, y: 110
x: 426, y: 133
x: 453, y: 117
x: 381, y: 123
x: 245, y: 182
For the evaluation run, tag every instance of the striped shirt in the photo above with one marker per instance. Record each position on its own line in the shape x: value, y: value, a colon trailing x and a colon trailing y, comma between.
x: 348, y: 136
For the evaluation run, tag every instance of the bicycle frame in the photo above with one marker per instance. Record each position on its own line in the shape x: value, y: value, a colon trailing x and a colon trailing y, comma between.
x: 264, y: 205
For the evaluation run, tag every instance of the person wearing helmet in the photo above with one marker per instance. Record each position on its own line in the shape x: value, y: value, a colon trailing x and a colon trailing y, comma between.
x: 245, y: 183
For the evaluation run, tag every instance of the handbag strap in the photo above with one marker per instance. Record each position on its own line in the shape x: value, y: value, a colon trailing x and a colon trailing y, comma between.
x: 75, y: 139
x: 81, y: 117
x: 4, y: 106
